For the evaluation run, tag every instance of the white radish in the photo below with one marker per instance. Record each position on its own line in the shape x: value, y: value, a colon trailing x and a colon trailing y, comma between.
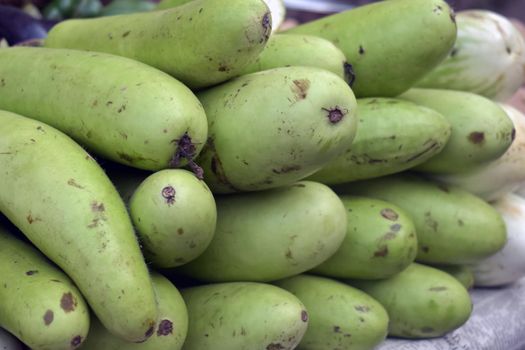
x: 488, y: 57
x: 508, y: 265
x: 278, y: 11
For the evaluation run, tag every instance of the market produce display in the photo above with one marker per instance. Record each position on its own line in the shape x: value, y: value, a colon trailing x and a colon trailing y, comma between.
x: 187, y: 176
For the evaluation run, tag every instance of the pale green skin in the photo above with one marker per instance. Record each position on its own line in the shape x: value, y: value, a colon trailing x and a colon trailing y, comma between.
x: 61, y: 199
x: 481, y: 130
x: 380, y: 241
x: 270, y: 235
x: 488, y: 57
x: 272, y: 128
x: 421, y: 301
x: 276, y: 7
x: 340, y: 317
x: 285, y: 50
x: 38, y: 303
x: 462, y: 273
x: 173, y: 229
x: 390, y: 44
x: 201, y: 43
x: 117, y: 108
x: 172, y: 325
x: 453, y: 226
x: 392, y: 135
x: 243, y: 316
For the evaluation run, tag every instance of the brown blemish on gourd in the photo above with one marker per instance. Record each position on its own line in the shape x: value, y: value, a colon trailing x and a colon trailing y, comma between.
x: 168, y: 193
x: 437, y: 289
x: 68, y: 303
x: 180, y: 231
x: 165, y: 328
x: 430, y: 145
x: 31, y: 272
x: 216, y: 165
x: 48, y: 317
x: 388, y: 236
x: 72, y: 182
x: 31, y: 219
x: 381, y: 252
x: 286, y: 169
x: 389, y: 214
x: 126, y: 157
x: 395, y: 227
x: 300, y: 88
x: 275, y: 346
x: 425, y: 249
x: 361, y: 50
x: 126, y: 33
x: 97, y: 207
x: 337, y: 329
x: 362, y: 308
x: 430, y: 222
x: 476, y: 137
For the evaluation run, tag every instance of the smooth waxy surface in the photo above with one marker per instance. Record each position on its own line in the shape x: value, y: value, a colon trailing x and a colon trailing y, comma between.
x: 285, y: 50
x: 273, y: 234
x: 340, y: 316
x: 421, y: 301
x: 243, y: 316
